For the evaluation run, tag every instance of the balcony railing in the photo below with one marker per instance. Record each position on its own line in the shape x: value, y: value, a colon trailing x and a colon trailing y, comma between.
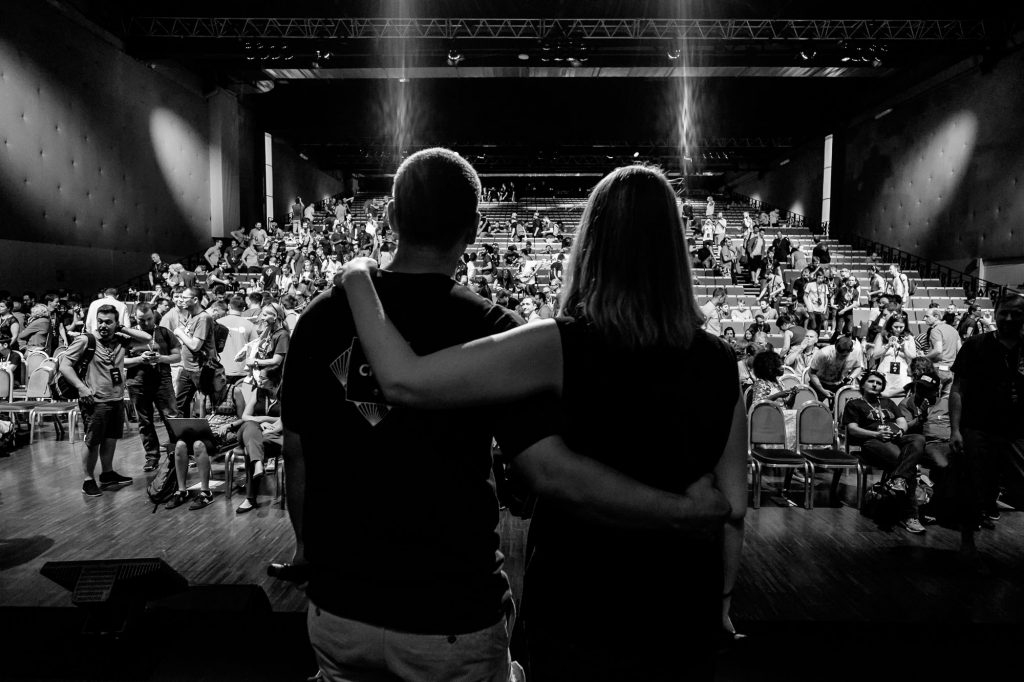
x: 973, y: 286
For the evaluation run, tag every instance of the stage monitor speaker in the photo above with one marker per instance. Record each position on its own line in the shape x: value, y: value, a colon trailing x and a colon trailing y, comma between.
x: 113, y: 590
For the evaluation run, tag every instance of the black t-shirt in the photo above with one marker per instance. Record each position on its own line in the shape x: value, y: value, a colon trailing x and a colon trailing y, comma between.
x: 157, y: 270
x: 270, y: 274
x: 661, y: 416
x: 869, y: 416
x: 822, y: 253
x: 400, y: 506
x: 992, y: 384
x: 165, y: 342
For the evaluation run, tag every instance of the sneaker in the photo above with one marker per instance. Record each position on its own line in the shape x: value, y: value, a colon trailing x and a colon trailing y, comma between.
x: 912, y: 525
x: 90, y: 489
x: 992, y: 514
x: 270, y: 465
x: 109, y: 478
x: 203, y: 499
x: 151, y: 464
x: 192, y: 463
x: 179, y: 498
x: 898, y: 485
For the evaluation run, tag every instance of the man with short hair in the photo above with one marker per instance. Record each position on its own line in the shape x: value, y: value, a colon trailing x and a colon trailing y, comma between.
x: 101, y: 394
x: 768, y: 311
x: 420, y: 565
x: 835, y: 366
x: 271, y: 275
x: 943, y: 346
x: 109, y: 298
x: 148, y: 364
x: 196, y: 334
x: 986, y: 414
x: 156, y: 270
x: 712, y: 311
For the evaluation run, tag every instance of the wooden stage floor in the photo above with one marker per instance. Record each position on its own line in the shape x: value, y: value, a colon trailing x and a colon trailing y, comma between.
x: 800, y: 567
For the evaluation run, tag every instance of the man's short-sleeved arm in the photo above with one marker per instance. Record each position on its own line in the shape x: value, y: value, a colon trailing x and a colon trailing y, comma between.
x: 818, y: 361
x: 204, y: 328
x: 76, y: 349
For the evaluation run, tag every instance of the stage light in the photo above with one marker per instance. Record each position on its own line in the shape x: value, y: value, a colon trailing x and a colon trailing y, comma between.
x: 636, y: 154
x: 808, y: 55
x: 876, y: 62
x: 454, y: 57
x: 523, y: 56
x: 674, y: 54
x: 403, y: 79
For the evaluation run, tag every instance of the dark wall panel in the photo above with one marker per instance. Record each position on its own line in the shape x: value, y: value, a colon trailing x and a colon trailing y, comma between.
x: 942, y: 175
x: 97, y: 151
x: 795, y: 186
x: 294, y: 176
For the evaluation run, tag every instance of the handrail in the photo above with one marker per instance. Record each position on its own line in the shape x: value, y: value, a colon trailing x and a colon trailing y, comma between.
x: 972, y: 285
x: 794, y: 219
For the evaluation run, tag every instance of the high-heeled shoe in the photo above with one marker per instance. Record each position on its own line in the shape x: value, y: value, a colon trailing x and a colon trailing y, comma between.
x: 242, y: 509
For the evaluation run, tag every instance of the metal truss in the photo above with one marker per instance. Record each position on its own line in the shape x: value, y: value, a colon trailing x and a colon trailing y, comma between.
x: 623, y: 29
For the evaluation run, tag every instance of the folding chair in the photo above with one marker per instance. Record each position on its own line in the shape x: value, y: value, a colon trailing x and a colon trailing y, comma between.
x: 818, y: 443
x: 43, y: 405
x: 766, y: 447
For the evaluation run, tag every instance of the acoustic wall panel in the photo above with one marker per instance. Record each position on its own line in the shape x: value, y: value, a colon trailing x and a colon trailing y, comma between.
x: 97, y: 150
x: 940, y: 176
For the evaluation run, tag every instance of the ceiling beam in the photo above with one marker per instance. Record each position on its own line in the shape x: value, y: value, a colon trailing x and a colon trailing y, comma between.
x: 319, y: 28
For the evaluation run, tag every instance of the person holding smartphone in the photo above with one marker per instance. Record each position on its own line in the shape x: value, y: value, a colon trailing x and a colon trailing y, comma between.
x: 148, y: 366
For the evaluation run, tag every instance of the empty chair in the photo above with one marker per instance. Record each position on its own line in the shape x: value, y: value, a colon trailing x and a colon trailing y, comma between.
x: 766, y: 448
x: 803, y: 395
x: 818, y: 443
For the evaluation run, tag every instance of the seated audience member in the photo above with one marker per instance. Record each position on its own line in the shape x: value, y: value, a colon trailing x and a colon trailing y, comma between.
x: 926, y: 409
x: 876, y: 424
x: 894, y: 348
x: 767, y: 368
x: 10, y: 325
x: 261, y: 426
x: 741, y: 313
x: 768, y: 311
x: 952, y: 315
x: 729, y: 336
x: 760, y: 326
x: 835, y: 366
x: 9, y: 360
x: 36, y: 333
x: 801, y: 354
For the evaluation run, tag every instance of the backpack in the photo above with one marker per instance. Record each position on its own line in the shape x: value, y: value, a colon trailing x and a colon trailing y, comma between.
x: 911, y: 286
x: 60, y: 387
x: 165, y: 483
x: 220, y: 337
